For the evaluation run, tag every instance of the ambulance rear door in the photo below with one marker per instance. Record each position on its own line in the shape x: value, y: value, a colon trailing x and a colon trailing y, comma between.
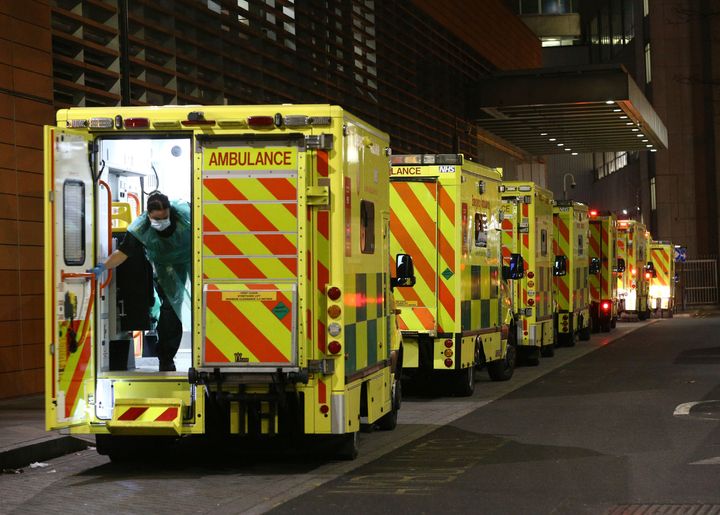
x: 69, y: 289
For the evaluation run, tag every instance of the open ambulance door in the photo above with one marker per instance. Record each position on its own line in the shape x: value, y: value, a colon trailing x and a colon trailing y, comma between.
x: 69, y: 289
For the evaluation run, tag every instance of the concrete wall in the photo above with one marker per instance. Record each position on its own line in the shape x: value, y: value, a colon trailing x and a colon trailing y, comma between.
x: 25, y: 105
x: 686, y: 94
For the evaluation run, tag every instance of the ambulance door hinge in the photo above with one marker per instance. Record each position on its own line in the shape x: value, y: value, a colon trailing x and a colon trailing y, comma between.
x: 321, y: 366
x: 52, y: 349
x: 319, y: 142
x: 318, y: 196
x: 51, y: 196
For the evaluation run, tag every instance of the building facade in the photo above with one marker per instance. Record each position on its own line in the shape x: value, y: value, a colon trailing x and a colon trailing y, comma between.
x: 403, y: 66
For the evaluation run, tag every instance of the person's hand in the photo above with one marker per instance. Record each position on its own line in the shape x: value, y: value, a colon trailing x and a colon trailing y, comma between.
x: 98, y: 270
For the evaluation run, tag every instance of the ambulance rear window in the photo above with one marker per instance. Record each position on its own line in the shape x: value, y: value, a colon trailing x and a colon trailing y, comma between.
x: 367, y: 227
x: 74, y: 222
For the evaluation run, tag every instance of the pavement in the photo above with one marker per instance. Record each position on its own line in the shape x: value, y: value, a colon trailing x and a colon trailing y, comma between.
x: 24, y: 440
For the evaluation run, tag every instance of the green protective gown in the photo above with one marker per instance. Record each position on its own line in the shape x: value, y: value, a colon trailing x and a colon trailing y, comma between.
x: 170, y: 255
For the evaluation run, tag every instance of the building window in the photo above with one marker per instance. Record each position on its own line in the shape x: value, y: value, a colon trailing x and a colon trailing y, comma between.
x: 607, y: 163
x: 546, y: 6
x: 648, y: 64
x: 653, y: 201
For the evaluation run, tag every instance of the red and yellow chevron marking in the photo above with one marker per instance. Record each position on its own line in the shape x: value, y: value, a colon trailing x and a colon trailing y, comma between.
x: 146, y: 416
x: 446, y: 261
x: 661, y: 260
x: 250, y: 228
x: 413, y: 229
x: 562, y: 247
x: 77, y: 367
x: 155, y: 414
x: 248, y: 324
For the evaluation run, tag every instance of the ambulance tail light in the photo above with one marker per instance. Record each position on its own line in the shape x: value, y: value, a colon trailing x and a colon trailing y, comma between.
x: 448, y: 362
x: 531, y: 302
x: 137, y: 123
x: 648, y: 275
x: 260, y: 122
x: 334, y: 311
x: 593, y: 213
x: 605, y: 306
x: 334, y: 293
x: 334, y: 347
x: 448, y: 343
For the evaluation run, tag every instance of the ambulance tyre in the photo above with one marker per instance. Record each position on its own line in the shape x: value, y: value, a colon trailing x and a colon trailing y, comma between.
x: 389, y: 422
x: 465, y: 382
x: 584, y: 333
x: 547, y: 351
x: 348, y: 446
x: 605, y: 326
x: 531, y: 356
x: 503, y: 369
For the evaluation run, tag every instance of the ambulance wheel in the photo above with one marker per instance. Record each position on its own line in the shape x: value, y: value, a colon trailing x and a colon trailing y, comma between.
x: 584, y: 333
x: 503, y: 369
x: 531, y: 356
x: 547, y: 351
x: 348, y: 447
x: 465, y: 382
x: 388, y: 422
x: 605, y: 326
x: 567, y: 339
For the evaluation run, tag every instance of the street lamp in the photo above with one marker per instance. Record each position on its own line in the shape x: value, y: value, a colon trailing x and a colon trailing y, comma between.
x: 572, y: 184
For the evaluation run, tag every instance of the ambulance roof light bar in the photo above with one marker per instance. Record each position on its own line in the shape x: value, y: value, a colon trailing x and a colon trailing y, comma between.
x: 427, y: 159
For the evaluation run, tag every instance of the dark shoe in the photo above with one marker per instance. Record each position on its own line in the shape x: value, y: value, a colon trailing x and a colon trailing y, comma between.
x: 168, y: 366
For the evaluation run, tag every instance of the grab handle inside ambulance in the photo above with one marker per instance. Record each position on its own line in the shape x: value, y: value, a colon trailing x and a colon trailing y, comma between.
x: 91, y: 277
x: 109, y: 221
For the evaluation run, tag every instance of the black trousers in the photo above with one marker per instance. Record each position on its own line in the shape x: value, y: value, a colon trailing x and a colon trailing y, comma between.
x: 170, y: 331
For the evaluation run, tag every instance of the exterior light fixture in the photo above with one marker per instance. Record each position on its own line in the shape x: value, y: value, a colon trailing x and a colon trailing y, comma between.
x: 552, y: 139
x: 574, y: 153
x: 609, y: 102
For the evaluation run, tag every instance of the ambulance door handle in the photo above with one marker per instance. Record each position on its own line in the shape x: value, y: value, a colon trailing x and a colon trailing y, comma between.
x: 109, y: 222
x: 121, y: 308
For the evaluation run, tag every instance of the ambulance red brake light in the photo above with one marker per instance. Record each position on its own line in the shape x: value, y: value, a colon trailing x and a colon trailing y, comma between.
x: 137, y: 123
x: 606, y: 306
x: 593, y: 213
x: 257, y: 122
x: 334, y: 293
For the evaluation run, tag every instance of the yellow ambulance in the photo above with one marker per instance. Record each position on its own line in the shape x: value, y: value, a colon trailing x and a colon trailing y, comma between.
x: 285, y: 305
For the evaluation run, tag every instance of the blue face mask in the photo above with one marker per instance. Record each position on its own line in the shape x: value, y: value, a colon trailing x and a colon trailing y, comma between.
x: 160, y: 225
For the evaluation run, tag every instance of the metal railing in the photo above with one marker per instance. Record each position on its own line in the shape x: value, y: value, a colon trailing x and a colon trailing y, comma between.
x: 698, y: 282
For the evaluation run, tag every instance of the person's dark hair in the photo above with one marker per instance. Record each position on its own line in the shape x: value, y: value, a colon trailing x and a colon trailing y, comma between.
x: 157, y: 201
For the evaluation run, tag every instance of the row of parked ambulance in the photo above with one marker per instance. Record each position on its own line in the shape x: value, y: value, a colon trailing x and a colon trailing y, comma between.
x: 494, y: 256
x: 323, y: 274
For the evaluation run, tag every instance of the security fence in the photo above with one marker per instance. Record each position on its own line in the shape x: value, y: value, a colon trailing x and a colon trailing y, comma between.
x: 698, y: 282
